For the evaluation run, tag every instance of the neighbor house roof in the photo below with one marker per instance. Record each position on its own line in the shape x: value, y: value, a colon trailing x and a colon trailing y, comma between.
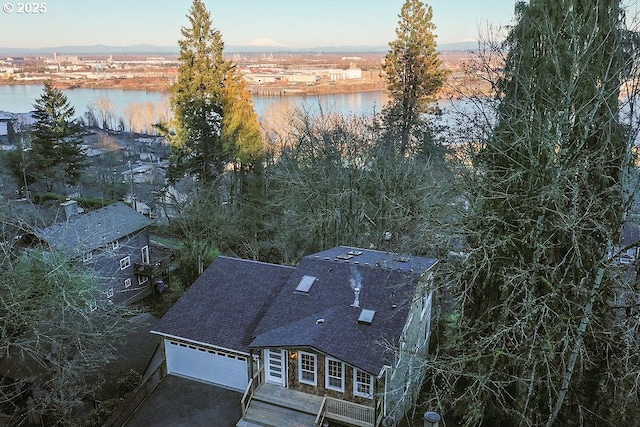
x: 224, y: 305
x: 94, y: 229
x: 324, y: 318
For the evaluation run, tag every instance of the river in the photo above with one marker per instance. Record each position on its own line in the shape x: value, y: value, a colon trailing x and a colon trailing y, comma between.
x: 20, y: 99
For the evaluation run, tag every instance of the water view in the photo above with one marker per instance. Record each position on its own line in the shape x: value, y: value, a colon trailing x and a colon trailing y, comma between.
x: 19, y: 99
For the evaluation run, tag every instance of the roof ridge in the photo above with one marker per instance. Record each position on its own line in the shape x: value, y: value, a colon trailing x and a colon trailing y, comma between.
x: 255, y: 261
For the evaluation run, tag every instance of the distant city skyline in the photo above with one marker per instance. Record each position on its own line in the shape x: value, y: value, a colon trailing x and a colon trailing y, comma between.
x: 288, y: 23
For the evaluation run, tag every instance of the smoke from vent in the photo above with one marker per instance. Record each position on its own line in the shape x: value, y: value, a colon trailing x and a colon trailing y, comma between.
x: 356, y: 278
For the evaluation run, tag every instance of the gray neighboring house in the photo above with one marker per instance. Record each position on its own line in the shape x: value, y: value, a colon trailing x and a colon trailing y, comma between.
x: 340, y: 337
x: 113, y: 241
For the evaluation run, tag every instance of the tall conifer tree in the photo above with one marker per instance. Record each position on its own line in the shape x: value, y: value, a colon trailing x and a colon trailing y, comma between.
x: 215, y: 122
x: 414, y: 72
x: 196, y: 99
x: 56, y: 152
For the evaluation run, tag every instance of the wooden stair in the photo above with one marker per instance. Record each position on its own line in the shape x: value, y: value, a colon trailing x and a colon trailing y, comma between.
x: 275, y: 406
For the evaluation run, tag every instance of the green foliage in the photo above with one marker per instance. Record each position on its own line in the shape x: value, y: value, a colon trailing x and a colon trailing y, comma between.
x: 538, y: 342
x: 56, y: 153
x: 197, y: 100
x: 241, y: 134
x: 414, y: 74
x: 128, y: 383
x: 214, y: 119
x: 202, y: 226
x: 100, y: 414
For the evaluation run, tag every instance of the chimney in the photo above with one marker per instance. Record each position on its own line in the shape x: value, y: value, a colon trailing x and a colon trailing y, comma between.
x: 70, y: 208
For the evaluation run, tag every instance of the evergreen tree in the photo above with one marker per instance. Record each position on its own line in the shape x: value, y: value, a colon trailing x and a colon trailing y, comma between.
x: 57, y: 136
x: 197, y: 100
x: 414, y: 73
x: 539, y: 341
x: 241, y: 133
x: 240, y: 126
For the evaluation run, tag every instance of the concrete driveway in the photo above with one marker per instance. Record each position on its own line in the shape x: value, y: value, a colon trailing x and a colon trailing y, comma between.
x: 178, y: 402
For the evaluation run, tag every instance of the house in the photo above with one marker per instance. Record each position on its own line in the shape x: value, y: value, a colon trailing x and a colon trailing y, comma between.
x: 628, y: 251
x: 113, y: 241
x: 7, y: 121
x: 337, y: 338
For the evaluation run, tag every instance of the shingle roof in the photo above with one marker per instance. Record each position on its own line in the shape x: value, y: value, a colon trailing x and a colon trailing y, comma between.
x: 239, y: 305
x: 225, y: 304
x: 386, y: 280
x: 94, y: 229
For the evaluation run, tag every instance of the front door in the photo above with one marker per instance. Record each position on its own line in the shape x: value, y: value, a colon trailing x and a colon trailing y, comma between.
x: 276, y: 366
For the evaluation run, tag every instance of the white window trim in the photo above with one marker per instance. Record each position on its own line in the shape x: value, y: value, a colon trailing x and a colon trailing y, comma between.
x: 144, y: 254
x: 125, y: 262
x: 115, y: 244
x: 426, y: 303
x: 327, y: 376
x: 315, y: 369
x: 142, y: 280
x: 110, y: 293
x: 355, y: 384
x: 127, y: 282
x: 87, y: 256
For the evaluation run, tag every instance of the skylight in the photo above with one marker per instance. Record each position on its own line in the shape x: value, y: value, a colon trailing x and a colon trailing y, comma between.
x: 305, y: 284
x: 366, y: 317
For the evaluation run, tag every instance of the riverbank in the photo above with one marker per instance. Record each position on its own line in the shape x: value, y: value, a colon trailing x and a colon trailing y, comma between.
x: 157, y: 84
x: 450, y: 91
x: 154, y: 84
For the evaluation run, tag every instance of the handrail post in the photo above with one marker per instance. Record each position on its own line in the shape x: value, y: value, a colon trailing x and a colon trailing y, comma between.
x: 321, y: 412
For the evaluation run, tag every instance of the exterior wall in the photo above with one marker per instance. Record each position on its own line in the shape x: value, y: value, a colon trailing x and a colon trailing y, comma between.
x: 320, y: 388
x: 405, y: 378
x: 111, y: 278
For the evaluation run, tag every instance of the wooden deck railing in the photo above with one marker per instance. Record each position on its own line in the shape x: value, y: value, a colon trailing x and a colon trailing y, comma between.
x: 347, y: 412
x: 254, y: 383
x: 379, y: 412
x: 321, y: 413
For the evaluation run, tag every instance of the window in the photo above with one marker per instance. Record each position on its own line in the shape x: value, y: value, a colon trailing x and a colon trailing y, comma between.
x: 307, y: 368
x: 334, y: 375
x: 145, y: 254
x: 362, y: 384
x: 115, y: 244
x: 142, y: 280
x: 127, y: 283
x: 125, y: 262
x: 110, y: 293
x: 87, y: 256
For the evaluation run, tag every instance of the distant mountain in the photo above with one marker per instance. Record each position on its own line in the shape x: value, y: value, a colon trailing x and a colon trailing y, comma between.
x: 257, y: 46
x: 459, y: 46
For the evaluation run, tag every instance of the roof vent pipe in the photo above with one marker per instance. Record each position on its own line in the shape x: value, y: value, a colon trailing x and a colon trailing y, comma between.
x: 356, y: 299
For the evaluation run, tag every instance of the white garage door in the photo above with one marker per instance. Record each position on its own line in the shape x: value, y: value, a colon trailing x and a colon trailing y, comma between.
x: 207, y: 364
